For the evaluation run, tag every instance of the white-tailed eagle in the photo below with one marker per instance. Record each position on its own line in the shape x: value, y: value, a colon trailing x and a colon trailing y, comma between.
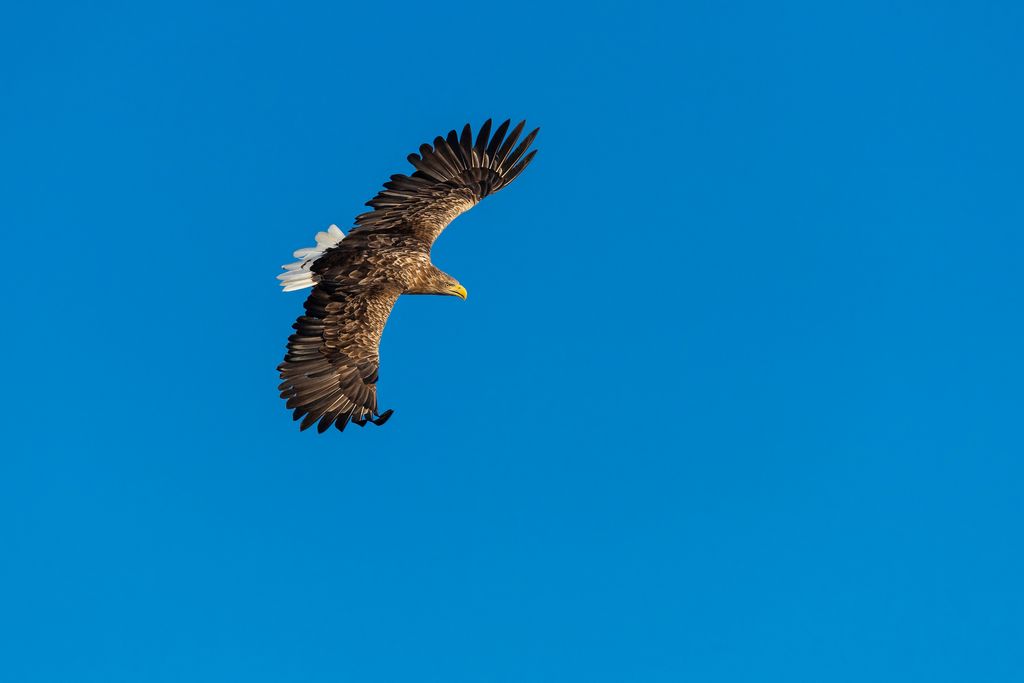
x: 330, y: 370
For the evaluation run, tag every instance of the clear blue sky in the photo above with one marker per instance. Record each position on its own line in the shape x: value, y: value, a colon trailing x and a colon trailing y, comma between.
x: 736, y: 395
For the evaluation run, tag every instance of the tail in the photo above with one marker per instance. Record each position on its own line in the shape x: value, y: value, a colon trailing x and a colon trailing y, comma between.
x: 300, y: 274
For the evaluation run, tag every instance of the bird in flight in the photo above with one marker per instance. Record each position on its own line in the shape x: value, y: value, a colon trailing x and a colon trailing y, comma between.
x: 330, y: 370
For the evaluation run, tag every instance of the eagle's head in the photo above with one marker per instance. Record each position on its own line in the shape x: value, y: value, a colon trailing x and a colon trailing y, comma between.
x: 436, y: 281
x: 449, y: 286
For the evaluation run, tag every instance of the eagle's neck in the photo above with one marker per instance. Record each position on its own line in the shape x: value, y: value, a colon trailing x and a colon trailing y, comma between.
x: 429, y: 280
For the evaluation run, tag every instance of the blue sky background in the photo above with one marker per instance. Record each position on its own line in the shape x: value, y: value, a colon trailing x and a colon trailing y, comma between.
x: 736, y: 395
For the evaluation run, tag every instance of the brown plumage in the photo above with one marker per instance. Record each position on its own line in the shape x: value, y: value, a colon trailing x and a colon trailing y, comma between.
x: 330, y: 370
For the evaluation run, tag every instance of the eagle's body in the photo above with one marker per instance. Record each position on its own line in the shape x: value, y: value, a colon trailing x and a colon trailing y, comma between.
x: 330, y: 370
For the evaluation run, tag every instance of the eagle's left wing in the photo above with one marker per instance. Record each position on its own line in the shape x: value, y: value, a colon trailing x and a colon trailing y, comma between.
x: 450, y: 178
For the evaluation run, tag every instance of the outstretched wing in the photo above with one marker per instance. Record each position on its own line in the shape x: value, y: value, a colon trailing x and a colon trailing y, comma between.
x: 452, y: 176
x: 330, y: 370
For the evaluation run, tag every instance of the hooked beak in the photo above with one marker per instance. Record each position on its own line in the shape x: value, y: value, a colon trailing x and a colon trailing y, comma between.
x: 459, y: 291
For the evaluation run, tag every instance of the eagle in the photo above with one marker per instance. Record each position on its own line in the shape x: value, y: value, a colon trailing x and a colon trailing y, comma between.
x: 329, y: 373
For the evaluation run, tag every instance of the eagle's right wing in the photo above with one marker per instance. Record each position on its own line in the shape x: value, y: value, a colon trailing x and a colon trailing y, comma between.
x: 330, y: 370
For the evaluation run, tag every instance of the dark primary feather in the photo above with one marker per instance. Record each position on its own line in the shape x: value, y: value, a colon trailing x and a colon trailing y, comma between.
x: 330, y: 371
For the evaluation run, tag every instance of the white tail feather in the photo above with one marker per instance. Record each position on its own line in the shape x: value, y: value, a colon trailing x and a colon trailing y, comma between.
x: 299, y: 275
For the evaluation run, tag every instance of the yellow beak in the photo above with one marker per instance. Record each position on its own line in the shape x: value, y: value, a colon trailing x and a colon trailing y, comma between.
x: 459, y: 291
